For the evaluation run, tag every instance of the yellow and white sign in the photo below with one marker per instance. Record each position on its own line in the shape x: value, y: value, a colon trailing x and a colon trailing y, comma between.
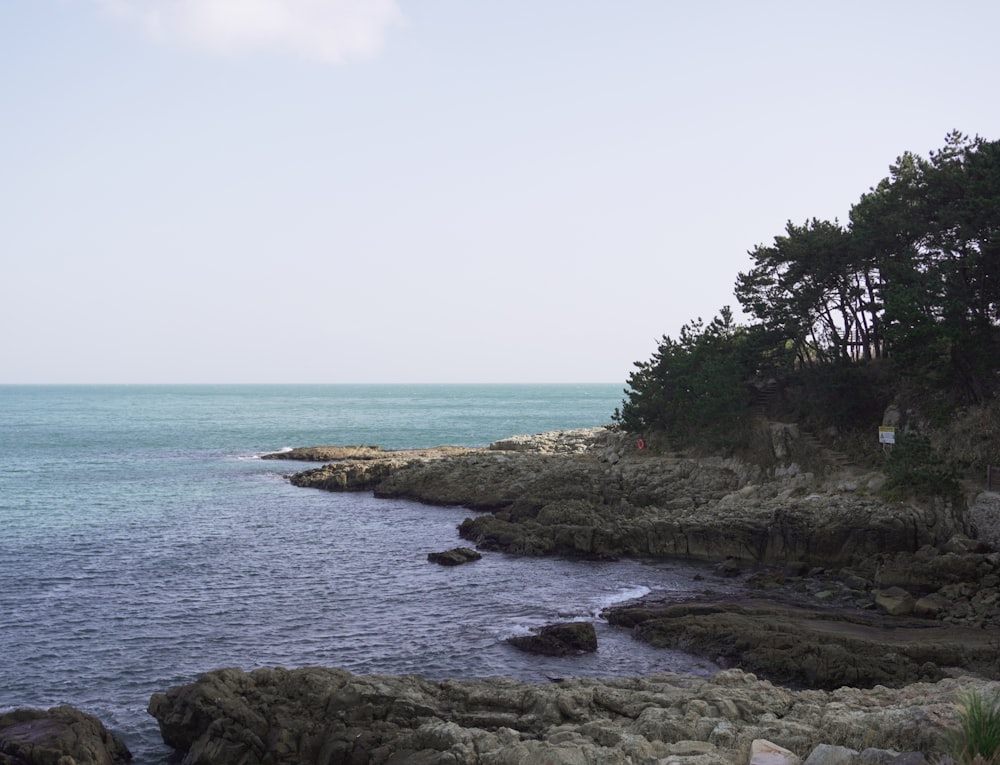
x: 886, y: 434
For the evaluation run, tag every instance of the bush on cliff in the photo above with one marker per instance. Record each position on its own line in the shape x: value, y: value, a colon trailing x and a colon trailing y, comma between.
x: 914, y: 468
x: 694, y: 387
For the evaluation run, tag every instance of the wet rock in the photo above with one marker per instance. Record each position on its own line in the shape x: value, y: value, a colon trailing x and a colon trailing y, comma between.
x: 59, y: 736
x: 561, y: 639
x: 807, y: 645
x: 454, y: 557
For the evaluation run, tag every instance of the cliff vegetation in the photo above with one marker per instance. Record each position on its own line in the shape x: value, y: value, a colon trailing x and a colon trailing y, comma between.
x: 889, y: 319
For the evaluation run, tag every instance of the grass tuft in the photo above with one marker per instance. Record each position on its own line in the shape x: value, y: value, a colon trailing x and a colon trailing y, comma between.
x: 979, y: 740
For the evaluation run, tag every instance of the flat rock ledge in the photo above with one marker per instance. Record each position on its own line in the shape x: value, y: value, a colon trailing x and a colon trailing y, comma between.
x: 326, y: 715
x: 799, y: 644
x: 58, y: 736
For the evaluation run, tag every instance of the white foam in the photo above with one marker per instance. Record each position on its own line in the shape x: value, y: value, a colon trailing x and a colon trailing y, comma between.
x: 622, y: 596
x: 258, y: 455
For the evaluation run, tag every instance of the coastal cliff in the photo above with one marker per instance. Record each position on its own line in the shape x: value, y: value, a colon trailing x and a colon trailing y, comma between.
x: 595, y: 493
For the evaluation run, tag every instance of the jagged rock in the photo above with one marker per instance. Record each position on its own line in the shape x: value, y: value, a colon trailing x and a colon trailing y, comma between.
x: 322, y: 715
x: 59, y: 736
x: 454, y: 557
x: 557, y: 493
x: 558, y: 639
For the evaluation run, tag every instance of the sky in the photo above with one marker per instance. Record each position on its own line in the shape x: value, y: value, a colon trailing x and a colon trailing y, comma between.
x: 394, y: 191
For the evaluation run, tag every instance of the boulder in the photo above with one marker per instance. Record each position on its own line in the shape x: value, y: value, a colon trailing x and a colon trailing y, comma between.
x: 59, y: 736
x: 931, y: 606
x: 454, y: 557
x: 764, y: 752
x: 560, y: 639
x: 895, y: 601
x: 830, y: 754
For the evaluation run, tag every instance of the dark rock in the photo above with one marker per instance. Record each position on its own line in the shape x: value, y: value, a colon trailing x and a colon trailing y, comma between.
x: 59, y: 736
x: 559, y: 639
x: 808, y: 646
x: 454, y: 557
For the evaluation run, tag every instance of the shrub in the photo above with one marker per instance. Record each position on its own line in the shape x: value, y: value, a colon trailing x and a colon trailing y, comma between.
x: 913, y: 468
x: 979, y: 740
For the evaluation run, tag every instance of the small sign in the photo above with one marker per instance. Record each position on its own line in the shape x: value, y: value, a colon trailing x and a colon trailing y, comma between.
x: 886, y: 434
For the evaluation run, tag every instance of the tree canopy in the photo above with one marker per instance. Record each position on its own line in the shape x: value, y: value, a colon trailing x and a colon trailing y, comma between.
x: 910, y: 284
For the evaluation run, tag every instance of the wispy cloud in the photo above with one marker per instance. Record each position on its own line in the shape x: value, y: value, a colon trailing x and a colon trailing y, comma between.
x: 326, y: 30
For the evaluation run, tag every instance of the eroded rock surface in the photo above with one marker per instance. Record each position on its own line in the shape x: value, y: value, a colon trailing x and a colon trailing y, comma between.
x: 322, y: 715
x: 811, y: 646
x: 593, y: 492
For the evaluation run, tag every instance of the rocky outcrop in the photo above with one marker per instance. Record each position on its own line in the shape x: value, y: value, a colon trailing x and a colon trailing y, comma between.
x: 563, y: 639
x: 59, y: 736
x: 454, y: 557
x: 320, y: 715
x: 593, y: 493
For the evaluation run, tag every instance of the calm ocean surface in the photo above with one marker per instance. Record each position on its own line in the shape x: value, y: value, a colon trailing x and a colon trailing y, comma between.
x: 142, y: 543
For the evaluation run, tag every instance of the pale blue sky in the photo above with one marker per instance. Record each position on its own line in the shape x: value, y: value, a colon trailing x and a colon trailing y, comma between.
x: 328, y: 191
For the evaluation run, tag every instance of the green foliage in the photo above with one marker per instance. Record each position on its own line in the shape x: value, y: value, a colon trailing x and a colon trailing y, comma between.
x: 912, y: 467
x: 933, y: 229
x: 979, y: 741
x: 904, y: 302
x: 693, y: 388
x: 839, y: 395
x: 818, y: 292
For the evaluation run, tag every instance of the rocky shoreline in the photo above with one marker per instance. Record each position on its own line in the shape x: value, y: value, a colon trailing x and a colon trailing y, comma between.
x: 863, y: 624
x: 323, y: 715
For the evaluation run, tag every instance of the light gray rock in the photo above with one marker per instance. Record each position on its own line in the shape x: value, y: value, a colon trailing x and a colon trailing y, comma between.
x: 320, y: 715
x: 764, y: 752
x: 984, y: 518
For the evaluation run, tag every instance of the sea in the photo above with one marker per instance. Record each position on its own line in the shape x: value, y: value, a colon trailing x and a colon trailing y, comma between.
x: 143, y: 542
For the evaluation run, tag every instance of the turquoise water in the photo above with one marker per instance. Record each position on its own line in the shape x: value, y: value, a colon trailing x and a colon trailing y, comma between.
x: 142, y: 542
